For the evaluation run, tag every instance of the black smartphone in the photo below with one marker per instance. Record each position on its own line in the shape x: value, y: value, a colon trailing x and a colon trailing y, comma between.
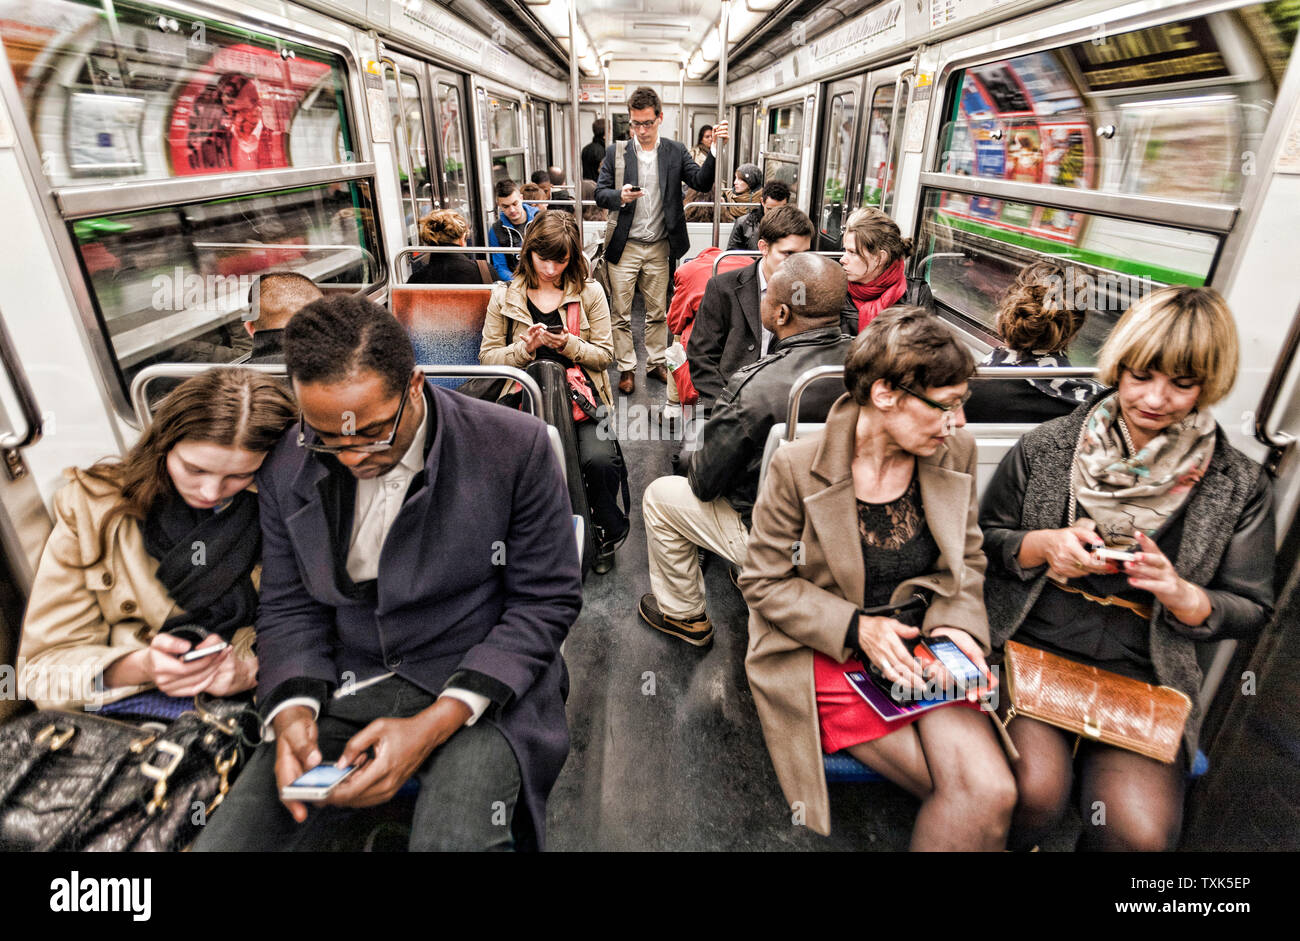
x: 964, y: 671
x: 556, y: 328
x: 634, y: 188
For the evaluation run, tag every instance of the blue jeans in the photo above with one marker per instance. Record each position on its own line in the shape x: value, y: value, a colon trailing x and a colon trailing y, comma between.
x: 468, y: 786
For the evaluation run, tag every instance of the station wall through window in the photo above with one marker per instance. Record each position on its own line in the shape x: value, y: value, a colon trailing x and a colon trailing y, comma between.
x: 172, y: 96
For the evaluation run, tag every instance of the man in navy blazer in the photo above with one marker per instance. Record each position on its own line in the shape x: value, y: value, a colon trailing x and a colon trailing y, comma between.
x: 649, y: 233
x: 419, y: 573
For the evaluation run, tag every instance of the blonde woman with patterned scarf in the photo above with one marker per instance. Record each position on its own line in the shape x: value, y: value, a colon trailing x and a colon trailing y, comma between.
x: 1142, y: 467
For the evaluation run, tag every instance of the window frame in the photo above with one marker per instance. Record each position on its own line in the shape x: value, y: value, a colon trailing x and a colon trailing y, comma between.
x: 64, y: 205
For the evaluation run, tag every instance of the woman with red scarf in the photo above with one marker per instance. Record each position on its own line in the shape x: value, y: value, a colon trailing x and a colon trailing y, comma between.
x: 875, y: 254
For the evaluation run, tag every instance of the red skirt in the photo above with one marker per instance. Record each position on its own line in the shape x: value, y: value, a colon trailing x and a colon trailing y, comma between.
x: 845, y: 718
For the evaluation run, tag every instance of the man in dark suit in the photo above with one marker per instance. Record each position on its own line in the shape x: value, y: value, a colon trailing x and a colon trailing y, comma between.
x: 650, y: 233
x: 728, y: 333
x: 442, y: 663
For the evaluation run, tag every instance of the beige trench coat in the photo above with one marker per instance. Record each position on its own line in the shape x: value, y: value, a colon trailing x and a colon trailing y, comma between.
x: 808, y: 498
x: 81, y: 620
x: 592, y: 348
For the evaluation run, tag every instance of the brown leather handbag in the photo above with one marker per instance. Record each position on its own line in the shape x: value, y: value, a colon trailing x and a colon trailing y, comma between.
x: 1095, y: 704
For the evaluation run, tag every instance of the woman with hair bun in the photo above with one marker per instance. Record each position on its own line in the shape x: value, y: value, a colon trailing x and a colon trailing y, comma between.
x: 875, y: 257
x: 445, y: 227
x: 1036, y: 326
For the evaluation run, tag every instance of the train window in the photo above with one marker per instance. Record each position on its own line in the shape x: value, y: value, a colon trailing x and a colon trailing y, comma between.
x: 407, y: 112
x: 972, y: 247
x: 124, y: 92
x: 839, y: 164
x: 541, y: 150
x: 1173, y: 110
x: 876, y: 167
x: 172, y: 284
x: 451, y: 139
x: 784, y: 144
x: 504, y: 123
x: 745, y: 134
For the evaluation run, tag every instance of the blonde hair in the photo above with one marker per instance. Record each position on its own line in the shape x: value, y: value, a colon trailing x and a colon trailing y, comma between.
x: 443, y: 227
x: 1180, y: 331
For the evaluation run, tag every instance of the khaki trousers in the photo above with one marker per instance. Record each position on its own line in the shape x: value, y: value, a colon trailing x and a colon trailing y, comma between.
x: 676, y: 521
x: 643, y: 265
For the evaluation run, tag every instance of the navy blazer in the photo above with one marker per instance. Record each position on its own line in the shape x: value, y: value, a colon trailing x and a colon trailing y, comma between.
x: 478, y: 578
x: 675, y: 167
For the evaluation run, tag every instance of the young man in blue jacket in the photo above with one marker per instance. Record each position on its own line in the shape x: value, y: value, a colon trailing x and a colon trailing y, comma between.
x: 513, y: 218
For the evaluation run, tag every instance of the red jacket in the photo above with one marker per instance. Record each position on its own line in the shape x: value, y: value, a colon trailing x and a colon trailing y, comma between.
x: 689, y: 282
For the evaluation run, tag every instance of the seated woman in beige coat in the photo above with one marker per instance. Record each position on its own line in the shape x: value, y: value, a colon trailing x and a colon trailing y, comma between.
x: 155, y: 554
x: 528, y: 320
x: 877, y: 507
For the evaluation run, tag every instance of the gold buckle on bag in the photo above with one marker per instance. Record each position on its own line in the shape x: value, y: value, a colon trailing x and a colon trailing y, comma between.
x: 56, y: 738
x: 161, y: 774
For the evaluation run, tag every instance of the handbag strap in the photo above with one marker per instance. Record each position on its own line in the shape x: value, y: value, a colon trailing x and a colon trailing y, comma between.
x: 573, y: 312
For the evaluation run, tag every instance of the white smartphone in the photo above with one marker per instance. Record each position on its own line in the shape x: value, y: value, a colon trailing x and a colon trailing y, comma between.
x: 1107, y: 554
x: 316, y: 784
x: 199, y: 653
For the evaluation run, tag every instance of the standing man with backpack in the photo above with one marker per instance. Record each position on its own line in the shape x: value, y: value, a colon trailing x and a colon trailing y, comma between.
x: 640, y: 183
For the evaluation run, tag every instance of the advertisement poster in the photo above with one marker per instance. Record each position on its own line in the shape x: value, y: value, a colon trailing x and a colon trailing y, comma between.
x: 235, y: 115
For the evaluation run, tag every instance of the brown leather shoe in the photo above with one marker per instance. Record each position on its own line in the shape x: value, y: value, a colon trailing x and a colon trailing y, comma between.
x: 626, y: 382
x: 659, y: 372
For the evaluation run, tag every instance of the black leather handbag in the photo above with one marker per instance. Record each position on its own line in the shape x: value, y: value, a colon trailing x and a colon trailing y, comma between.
x: 76, y: 781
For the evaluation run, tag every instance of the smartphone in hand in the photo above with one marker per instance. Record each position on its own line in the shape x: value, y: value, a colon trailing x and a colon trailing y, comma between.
x: 316, y: 784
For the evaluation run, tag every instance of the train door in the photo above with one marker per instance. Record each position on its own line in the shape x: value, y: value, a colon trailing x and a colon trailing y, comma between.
x: 743, y: 133
x: 406, y: 88
x: 840, y: 132
x: 539, y: 120
x: 450, y: 153
x: 24, y: 524
x: 888, y: 94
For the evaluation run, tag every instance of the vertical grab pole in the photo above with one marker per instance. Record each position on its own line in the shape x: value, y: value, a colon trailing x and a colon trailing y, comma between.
x: 575, y: 123
x: 718, y: 179
x: 609, y: 127
x: 681, y: 106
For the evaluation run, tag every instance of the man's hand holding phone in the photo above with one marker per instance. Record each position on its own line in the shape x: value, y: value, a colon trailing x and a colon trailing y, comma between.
x: 295, y: 751
x: 399, y: 747
x: 631, y: 193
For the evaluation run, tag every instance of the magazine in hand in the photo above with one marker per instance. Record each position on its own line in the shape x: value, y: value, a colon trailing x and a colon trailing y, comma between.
x: 885, y: 707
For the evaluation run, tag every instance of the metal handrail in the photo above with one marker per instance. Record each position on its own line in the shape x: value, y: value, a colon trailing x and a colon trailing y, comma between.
x: 23, y: 391
x: 412, y: 250
x: 753, y: 205
x: 369, y: 258
x: 1278, y: 441
x: 144, y: 415
x: 983, y: 372
x: 717, y: 259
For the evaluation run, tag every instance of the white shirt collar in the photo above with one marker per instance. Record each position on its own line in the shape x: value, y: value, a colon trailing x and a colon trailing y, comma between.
x: 413, y: 460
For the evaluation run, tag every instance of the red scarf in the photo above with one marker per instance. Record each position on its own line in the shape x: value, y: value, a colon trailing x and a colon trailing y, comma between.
x: 879, y: 295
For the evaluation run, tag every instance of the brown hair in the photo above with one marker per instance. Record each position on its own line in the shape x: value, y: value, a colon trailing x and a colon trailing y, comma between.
x: 874, y: 231
x: 531, y: 191
x: 644, y: 97
x: 1181, y: 331
x: 906, y: 346
x: 555, y: 236
x: 443, y: 227
x: 224, y: 406
x: 782, y: 221
x: 1033, y: 315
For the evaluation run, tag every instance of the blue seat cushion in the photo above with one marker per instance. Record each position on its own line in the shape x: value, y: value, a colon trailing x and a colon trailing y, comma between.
x: 842, y: 767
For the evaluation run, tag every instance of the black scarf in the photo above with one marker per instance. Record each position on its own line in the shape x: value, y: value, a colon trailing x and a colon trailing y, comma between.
x: 205, y: 561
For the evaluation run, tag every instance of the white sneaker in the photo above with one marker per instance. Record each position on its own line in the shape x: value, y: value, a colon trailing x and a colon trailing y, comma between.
x: 672, y: 413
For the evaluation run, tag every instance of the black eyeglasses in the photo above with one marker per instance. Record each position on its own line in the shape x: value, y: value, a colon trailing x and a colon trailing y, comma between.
x: 370, y: 447
x: 642, y: 123
x: 939, y: 405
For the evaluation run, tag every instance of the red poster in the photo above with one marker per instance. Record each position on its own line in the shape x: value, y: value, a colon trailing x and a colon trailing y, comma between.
x: 236, y: 113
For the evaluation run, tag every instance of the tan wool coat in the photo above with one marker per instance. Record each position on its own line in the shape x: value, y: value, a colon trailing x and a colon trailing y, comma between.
x: 80, y: 620
x: 592, y: 348
x: 808, y: 501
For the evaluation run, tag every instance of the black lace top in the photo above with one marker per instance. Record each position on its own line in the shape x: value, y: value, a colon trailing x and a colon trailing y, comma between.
x: 896, y: 543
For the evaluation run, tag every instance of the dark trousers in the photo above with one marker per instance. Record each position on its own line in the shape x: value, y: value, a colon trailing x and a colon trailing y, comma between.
x: 468, y: 786
x: 601, y: 477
